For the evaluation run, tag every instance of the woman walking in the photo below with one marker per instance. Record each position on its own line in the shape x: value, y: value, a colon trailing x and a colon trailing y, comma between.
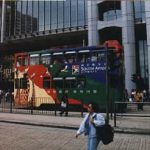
x: 89, y: 124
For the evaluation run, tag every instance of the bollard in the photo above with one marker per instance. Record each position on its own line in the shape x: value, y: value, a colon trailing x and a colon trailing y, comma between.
x: 114, y: 114
x: 55, y: 108
x: 82, y: 108
x: 31, y: 105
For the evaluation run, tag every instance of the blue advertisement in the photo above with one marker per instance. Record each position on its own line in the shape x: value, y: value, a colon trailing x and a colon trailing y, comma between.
x: 93, y: 70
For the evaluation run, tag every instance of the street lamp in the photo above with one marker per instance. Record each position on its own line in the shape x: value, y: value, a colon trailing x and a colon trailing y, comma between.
x: 107, y: 88
x: 2, y: 21
x: 33, y: 92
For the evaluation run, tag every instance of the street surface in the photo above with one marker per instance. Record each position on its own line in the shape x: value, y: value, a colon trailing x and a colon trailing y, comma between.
x: 27, y: 137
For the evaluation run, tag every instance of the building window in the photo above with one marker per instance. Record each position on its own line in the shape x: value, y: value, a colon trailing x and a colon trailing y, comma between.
x: 143, y: 59
x: 109, y: 10
x: 18, y: 17
x: 47, y: 15
x: 41, y: 16
x: 34, y: 16
x: 74, y: 13
x: 139, y: 9
x: 23, y: 17
x: 29, y: 17
x: 81, y: 12
x: 35, y: 23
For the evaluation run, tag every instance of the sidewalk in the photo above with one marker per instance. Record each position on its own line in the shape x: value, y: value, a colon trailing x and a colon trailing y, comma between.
x: 132, y: 125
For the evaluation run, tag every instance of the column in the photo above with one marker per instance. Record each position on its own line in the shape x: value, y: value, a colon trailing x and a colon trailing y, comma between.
x: 128, y: 37
x: 93, y: 35
x: 147, y: 15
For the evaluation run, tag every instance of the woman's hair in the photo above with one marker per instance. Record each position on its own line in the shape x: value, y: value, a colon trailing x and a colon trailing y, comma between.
x: 95, y: 107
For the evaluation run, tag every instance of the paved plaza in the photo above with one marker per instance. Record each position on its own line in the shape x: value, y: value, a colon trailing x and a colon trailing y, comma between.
x: 27, y: 137
x: 41, y: 132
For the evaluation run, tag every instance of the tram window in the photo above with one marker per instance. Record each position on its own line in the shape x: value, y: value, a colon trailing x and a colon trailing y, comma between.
x: 17, y: 84
x: 46, y: 82
x: 46, y: 59
x: 94, y: 57
x: 23, y: 83
x: 84, y: 57
x: 70, y: 82
x: 100, y: 57
x: 57, y: 58
x: 81, y: 83
x: 22, y: 61
x: 70, y: 57
x: 34, y: 59
x: 18, y: 63
x: 97, y: 56
x: 58, y: 82
x: 26, y: 61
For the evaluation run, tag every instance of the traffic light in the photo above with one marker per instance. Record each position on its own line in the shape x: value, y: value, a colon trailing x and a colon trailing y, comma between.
x: 114, y: 62
x: 138, y: 80
x: 134, y: 78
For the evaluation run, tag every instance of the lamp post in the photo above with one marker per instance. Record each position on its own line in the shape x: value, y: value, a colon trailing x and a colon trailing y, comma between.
x: 32, y: 97
x: 2, y: 21
x: 33, y: 93
x: 107, y: 88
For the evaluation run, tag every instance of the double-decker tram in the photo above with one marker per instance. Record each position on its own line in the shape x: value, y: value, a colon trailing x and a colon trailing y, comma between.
x: 41, y: 77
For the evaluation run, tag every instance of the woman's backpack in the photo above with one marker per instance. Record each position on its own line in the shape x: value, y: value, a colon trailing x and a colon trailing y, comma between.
x: 105, y: 133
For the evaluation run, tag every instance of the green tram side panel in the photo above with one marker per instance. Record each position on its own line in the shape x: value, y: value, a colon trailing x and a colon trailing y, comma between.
x: 93, y: 91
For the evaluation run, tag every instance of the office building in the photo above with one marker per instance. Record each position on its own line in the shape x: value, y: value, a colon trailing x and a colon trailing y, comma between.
x: 37, y: 25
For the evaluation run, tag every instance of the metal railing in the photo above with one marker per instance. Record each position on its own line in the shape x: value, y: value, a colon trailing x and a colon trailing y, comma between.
x: 38, y: 105
x: 131, y: 109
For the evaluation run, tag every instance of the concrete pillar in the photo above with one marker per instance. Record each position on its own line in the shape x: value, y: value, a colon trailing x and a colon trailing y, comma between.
x: 147, y: 14
x: 128, y: 37
x: 93, y: 35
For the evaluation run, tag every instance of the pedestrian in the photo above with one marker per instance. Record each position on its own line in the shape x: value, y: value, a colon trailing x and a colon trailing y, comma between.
x: 139, y: 100
x: 12, y: 98
x: 126, y: 95
x: 88, y: 126
x: 1, y: 96
x: 8, y: 96
x: 144, y: 95
x: 133, y: 92
x: 64, y: 104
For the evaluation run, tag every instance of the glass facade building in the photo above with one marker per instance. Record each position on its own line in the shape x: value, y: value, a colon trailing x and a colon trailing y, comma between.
x: 36, y: 16
x: 126, y: 21
x: 82, y: 22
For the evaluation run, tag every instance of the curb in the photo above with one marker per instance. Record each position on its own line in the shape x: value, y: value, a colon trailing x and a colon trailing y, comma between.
x: 132, y: 131
x: 41, y: 125
x: 116, y: 130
